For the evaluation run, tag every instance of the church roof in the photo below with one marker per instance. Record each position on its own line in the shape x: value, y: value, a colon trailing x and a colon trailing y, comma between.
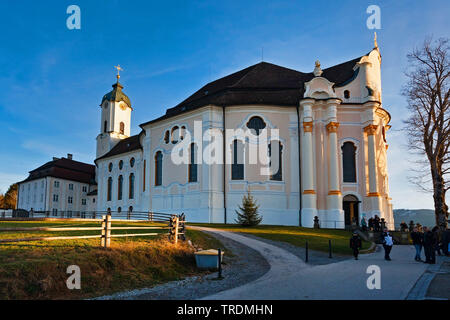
x: 64, y: 169
x: 262, y: 83
x: 126, y: 145
x: 117, y: 95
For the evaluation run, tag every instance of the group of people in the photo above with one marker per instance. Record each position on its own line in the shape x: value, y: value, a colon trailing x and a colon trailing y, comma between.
x: 356, y: 244
x: 431, y: 241
x: 374, y: 224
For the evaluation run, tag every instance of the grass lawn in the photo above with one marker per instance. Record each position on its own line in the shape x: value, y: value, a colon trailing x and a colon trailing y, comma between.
x: 37, y: 270
x: 317, y: 238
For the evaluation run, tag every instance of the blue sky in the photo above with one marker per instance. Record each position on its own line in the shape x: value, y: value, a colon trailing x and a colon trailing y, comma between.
x: 53, y: 79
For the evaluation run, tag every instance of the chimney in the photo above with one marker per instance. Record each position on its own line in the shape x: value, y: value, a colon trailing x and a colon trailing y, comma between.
x: 55, y: 158
x: 69, y: 156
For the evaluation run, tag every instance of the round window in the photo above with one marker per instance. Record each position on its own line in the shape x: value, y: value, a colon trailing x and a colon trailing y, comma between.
x: 120, y: 164
x: 132, y: 162
x: 110, y: 166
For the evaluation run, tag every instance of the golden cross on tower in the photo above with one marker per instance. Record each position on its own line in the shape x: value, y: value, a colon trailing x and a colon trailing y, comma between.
x: 119, y: 68
x: 375, y: 43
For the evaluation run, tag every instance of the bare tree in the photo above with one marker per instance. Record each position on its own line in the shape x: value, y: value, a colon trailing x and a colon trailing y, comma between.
x: 428, y: 127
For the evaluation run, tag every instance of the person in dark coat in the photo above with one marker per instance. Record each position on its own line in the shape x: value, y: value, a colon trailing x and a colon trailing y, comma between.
x: 355, y: 244
x: 371, y: 224
x: 429, y: 242
x: 376, y: 223
x: 417, y: 239
x: 446, y: 241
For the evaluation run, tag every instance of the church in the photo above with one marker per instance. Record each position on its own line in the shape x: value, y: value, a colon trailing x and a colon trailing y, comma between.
x: 325, y: 130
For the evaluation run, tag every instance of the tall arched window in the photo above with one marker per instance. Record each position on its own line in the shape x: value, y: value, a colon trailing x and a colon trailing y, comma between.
x: 175, y: 134
x: 122, y: 128
x: 105, y: 126
x: 131, y: 186
x: 158, y: 168
x: 120, y: 188
x: 349, y: 162
x: 237, y: 167
x: 193, y: 163
x: 276, y: 160
x: 109, y: 189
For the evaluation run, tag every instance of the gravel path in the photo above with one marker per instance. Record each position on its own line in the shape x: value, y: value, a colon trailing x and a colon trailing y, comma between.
x: 244, y: 266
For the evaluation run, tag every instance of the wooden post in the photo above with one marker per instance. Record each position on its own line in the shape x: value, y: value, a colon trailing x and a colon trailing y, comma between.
x: 329, y: 249
x: 106, y: 231
x: 177, y: 220
x: 306, y: 251
x: 219, y: 261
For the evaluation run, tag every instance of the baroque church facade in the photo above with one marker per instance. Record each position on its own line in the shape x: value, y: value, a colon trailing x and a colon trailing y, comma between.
x: 331, y: 148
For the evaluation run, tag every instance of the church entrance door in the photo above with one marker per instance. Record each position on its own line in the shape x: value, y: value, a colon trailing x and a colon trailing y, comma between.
x: 351, y: 210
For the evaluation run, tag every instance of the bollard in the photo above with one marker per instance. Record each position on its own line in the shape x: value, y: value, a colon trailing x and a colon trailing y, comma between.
x: 306, y: 251
x: 329, y: 249
x: 220, y: 264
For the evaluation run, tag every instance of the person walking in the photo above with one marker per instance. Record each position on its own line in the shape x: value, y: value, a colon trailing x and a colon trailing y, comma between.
x: 355, y: 244
x: 371, y: 224
x: 388, y: 242
x: 429, y: 242
x: 376, y: 223
x: 417, y: 239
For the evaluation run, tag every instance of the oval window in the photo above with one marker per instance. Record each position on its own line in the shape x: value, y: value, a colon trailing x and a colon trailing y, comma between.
x: 132, y: 162
x: 120, y: 164
x: 110, y: 166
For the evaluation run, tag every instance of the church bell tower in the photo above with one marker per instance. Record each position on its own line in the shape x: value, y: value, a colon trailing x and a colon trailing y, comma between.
x: 115, y: 119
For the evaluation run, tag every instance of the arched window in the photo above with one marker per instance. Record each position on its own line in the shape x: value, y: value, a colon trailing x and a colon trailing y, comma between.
x: 131, y: 186
x: 132, y: 162
x: 346, y: 94
x: 237, y: 167
x: 167, y: 137
x: 120, y: 164
x: 256, y: 125
x: 182, y: 132
x: 349, y: 162
x: 109, y: 189
x: 110, y: 167
x: 105, y: 126
x: 175, y: 134
x: 122, y: 128
x: 276, y: 160
x: 193, y: 163
x: 119, y: 209
x: 158, y: 168
x: 120, y: 188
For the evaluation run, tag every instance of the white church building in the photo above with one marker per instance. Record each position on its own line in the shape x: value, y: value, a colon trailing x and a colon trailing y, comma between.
x: 326, y: 131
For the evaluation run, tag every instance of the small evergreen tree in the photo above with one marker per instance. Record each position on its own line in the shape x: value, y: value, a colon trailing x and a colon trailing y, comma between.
x: 248, y: 216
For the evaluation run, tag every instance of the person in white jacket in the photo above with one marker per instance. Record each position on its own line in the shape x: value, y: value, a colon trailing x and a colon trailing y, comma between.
x: 388, y: 242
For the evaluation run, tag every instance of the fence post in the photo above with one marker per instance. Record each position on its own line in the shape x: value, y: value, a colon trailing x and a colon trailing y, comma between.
x: 329, y: 249
x: 106, y: 231
x: 306, y: 251
x: 177, y: 221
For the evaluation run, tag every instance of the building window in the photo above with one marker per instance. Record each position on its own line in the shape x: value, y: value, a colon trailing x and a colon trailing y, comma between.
x: 120, y: 164
x: 55, y: 198
x: 193, y: 163
x: 108, y: 196
x: 56, y: 184
x: 84, y: 189
x: 346, y: 94
x: 349, y: 162
x: 158, y: 168
x: 175, y: 134
x: 256, y: 125
x: 110, y: 167
x: 237, y: 167
x: 105, y: 126
x: 182, y: 132
x: 278, y: 157
x: 70, y: 199
x: 131, y: 186
x: 119, y: 209
x: 122, y: 128
x: 55, y: 212
x: 70, y: 186
x: 93, y: 200
x: 83, y: 202
x: 132, y: 161
x: 120, y: 188
x: 167, y: 137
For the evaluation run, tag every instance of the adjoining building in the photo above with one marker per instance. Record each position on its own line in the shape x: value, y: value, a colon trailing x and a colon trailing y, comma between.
x: 331, y: 148
x: 62, y: 185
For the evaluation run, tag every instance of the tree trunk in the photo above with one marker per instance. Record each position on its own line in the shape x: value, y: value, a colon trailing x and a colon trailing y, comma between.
x: 440, y: 207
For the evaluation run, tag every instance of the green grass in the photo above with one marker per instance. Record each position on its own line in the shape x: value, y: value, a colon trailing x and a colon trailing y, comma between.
x: 317, y: 238
x: 37, y: 270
